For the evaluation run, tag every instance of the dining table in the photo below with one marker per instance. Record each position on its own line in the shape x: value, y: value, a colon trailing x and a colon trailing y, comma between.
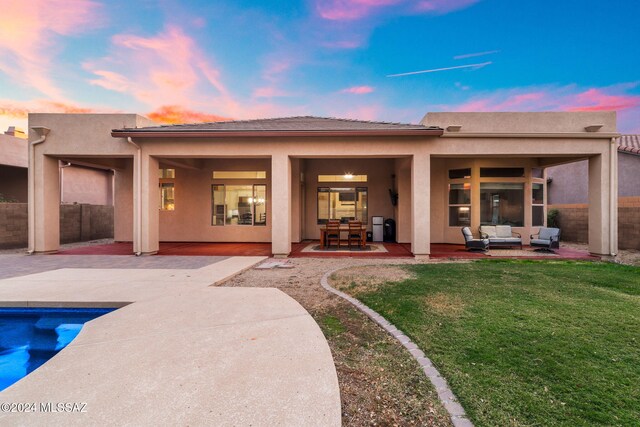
x: 344, y: 228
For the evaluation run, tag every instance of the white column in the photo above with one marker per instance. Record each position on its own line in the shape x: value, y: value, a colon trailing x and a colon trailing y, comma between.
x: 603, y: 201
x: 421, y: 205
x: 280, y: 205
x: 150, y: 205
x: 44, y: 209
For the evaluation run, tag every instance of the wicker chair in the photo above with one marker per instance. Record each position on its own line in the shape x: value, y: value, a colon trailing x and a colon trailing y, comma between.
x: 546, y: 240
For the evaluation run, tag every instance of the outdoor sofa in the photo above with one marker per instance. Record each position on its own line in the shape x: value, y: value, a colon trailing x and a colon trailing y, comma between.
x: 500, y: 236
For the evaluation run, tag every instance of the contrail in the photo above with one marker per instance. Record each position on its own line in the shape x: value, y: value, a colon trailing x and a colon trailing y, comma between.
x: 476, y: 66
x: 472, y: 55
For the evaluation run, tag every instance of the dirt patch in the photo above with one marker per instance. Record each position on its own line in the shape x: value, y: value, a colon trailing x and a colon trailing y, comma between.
x: 380, y: 382
x: 625, y: 256
x: 360, y: 280
x: 445, y: 305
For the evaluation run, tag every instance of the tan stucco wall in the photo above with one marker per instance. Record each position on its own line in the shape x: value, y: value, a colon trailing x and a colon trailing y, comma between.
x: 191, y: 219
x: 421, y: 188
x: 378, y: 171
x: 441, y: 232
x: 84, y: 185
x: 13, y: 151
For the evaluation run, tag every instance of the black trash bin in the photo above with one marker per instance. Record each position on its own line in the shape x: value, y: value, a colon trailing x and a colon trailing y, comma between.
x: 389, y: 232
x: 369, y: 236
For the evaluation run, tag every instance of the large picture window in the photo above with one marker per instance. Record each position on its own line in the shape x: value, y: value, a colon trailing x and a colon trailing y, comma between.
x: 238, y: 204
x: 343, y: 204
x: 502, y: 203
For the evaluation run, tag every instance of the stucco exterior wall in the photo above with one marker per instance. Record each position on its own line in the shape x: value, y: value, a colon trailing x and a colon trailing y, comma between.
x: 14, y: 151
x: 84, y: 185
x: 379, y: 172
x: 571, y: 181
x: 419, y: 163
x: 191, y: 219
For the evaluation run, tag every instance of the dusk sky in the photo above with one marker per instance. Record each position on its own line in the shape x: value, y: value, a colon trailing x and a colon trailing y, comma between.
x: 210, y: 60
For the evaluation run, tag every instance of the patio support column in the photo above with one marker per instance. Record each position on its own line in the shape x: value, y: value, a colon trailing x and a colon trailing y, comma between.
x: 421, y: 205
x: 603, y: 203
x: 123, y: 206
x: 44, y: 185
x: 149, y: 204
x: 280, y: 205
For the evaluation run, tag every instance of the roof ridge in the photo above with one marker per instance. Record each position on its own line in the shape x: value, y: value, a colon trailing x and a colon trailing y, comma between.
x: 272, y: 119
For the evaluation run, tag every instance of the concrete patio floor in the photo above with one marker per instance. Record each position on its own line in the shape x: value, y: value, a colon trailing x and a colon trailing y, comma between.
x: 179, y: 351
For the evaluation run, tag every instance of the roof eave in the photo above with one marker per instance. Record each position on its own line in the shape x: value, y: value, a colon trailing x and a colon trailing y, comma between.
x: 266, y: 133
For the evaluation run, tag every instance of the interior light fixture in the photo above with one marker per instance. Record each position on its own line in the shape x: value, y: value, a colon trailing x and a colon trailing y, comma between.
x: 348, y: 175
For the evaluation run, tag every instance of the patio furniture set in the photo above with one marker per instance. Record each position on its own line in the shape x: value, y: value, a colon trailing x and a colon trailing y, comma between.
x: 333, y: 230
x: 502, y: 236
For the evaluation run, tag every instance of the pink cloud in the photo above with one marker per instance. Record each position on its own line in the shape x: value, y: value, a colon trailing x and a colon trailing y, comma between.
x: 554, y: 98
x: 358, y: 90
x: 597, y: 100
x: 28, y: 36
x: 352, y: 10
x: 166, y: 69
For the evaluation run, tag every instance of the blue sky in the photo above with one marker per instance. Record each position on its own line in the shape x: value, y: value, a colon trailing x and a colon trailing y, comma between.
x: 208, y: 60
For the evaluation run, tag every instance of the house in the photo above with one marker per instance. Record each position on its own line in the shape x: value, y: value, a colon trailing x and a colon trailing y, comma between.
x: 78, y: 183
x: 568, y: 193
x: 279, y: 180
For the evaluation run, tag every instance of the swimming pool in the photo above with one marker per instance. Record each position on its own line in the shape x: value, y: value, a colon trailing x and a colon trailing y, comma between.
x: 31, y: 336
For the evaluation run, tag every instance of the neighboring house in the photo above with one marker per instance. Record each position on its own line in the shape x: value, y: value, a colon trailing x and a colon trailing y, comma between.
x: 78, y: 184
x: 279, y: 180
x: 568, y: 193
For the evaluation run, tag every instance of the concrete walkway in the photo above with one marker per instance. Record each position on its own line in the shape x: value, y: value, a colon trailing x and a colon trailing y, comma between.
x: 180, y: 353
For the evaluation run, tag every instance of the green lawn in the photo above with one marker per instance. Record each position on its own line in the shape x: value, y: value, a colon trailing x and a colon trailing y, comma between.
x: 526, y: 342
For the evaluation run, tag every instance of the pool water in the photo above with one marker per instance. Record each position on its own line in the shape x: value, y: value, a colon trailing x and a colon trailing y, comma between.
x: 31, y: 336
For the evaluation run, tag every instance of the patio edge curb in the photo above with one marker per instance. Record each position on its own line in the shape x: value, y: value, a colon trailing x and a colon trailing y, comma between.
x: 449, y: 401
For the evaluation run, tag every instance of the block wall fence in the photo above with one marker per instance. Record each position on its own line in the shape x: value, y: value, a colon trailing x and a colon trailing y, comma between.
x: 573, y: 219
x: 78, y: 222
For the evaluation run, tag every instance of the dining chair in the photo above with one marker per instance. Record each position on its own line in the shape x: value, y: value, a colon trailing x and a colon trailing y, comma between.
x: 355, y: 233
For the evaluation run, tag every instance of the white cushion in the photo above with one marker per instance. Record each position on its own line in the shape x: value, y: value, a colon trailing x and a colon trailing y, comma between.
x: 503, y: 231
x: 489, y: 230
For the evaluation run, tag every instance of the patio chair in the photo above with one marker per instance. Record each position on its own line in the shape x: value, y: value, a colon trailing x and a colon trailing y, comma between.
x: 355, y: 234
x: 546, y: 240
x: 333, y: 233
x: 472, y: 244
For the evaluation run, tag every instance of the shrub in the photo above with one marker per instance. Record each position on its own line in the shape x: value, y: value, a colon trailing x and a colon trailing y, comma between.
x: 552, y: 218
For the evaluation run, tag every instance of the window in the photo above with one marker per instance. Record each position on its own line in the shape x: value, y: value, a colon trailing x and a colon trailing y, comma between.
x: 502, y: 203
x: 460, y: 173
x: 239, y: 174
x: 460, y: 204
x: 502, y: 172
x: 167, y: 173
x: 239, y: 205
x: 343, y: 204
x: 342, y: 178
x: 167, y: 189
x: 167, y: 197
x: 537, y: 204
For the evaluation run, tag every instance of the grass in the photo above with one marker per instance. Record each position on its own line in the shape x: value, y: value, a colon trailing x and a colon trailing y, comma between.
x: 526, y: 342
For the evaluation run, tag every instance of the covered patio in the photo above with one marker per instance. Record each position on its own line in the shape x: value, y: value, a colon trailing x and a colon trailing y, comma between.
x: 391, y: 250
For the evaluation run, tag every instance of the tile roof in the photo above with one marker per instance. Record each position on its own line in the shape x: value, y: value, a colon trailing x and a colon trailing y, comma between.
x: 629, y: 144
x: 285, y: 124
